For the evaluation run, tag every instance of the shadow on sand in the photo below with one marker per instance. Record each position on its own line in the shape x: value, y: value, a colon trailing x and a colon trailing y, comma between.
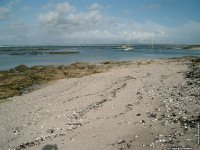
x: 50, y: 147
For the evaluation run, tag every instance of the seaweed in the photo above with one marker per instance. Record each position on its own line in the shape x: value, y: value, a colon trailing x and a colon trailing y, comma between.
x: 17, y: 80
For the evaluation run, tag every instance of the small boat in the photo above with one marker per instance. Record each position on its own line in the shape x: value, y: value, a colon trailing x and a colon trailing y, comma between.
x: 128, y: 49
x: 125, y: 48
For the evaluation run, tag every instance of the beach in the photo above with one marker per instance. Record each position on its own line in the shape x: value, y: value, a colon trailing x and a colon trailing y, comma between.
x: 139, y: 105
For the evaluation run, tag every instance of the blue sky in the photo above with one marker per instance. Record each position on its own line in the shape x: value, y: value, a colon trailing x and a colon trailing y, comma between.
x: 44, y: 22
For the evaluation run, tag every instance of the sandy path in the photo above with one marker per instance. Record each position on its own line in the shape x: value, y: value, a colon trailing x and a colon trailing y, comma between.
x: 119, y: 109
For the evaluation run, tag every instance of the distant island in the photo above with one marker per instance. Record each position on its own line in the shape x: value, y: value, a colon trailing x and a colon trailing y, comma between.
x: 193, y: 47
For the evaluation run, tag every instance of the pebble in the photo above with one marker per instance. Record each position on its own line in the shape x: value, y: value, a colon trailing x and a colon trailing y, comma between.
x: 51, y: 131
x: 152, y: 145
x: 120, y: 141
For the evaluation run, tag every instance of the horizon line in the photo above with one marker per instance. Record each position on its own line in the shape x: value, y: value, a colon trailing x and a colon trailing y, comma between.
x: 6, y: 45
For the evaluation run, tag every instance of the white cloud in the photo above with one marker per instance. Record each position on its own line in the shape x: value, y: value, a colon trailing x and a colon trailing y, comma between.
x: 64, y: 7
x: 49, y: 5
x: 62, y: 23
x: 13, y: 3
x: 93, y: 26
x: 64, y: 18
x: 4, y: 13
x: 95, y: 6
x: 189, y: 32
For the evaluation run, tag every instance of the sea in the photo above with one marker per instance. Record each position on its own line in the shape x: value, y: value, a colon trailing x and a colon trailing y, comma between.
x: 12, y: 56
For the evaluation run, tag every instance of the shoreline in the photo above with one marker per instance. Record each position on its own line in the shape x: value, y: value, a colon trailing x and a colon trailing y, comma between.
x: 22, y: 79
x: 63, y: 55
x: 150, y: 104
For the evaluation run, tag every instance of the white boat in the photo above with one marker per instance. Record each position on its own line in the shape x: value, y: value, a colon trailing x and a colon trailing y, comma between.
x: 128, y: 49
x: 125, y: 48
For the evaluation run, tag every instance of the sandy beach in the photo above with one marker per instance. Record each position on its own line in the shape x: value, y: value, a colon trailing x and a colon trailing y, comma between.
x: 143, y: 105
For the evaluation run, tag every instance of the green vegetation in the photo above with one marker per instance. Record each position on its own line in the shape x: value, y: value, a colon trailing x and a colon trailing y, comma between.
x: 21, y: 79
x: 15, y: 81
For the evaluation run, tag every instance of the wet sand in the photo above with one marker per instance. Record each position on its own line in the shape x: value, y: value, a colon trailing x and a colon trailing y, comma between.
x: 149, y: 104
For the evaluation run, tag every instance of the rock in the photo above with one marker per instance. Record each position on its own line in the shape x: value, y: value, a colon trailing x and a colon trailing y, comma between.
x: 50, y: 131
x: 16, y: 130
x: 138, y: 114
x: 153, y: 115
x: 21, y: 68
x: 129, y: 105
x: 120, y: 141
x: 128, y: 145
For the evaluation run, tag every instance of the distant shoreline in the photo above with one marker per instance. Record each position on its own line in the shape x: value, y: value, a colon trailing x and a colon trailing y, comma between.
x: 192, y: 47
x: 61, y: 55
x: 87, y: 45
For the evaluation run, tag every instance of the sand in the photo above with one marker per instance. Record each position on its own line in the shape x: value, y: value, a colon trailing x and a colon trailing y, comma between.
x: 141, y: 106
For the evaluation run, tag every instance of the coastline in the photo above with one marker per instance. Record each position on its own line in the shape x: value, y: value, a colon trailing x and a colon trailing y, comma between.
x: 22, y: 79
x: 151, y: 104
x: 62, y: 55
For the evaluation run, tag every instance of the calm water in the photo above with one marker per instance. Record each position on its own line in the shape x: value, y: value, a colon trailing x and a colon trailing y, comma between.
x: 30, y: 56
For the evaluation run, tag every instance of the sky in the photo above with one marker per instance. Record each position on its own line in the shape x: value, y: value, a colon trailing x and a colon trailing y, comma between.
x: 72, y: 22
